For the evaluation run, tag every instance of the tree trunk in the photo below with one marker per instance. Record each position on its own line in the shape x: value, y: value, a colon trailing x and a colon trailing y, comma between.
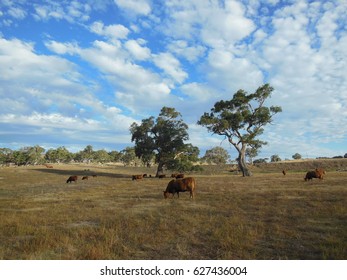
x: 243, y: 164
x: 160, y: 169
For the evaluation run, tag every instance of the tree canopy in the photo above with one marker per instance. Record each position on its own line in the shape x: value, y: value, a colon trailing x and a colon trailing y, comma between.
x: 163, y: 139
x: 241, y: 120
x: 216, y: 155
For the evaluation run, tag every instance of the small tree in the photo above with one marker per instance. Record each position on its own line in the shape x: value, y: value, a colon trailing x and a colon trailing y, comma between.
x: 128, y: 156
x: 275, y: 158
x: 5, y: 155
x: 102, y: 156
x: 115, y: 156
x: 216, y: 155
x: 260, y: 160
x: 33, y: 155
x: 88, y: 153
x: 58, y: 155
x: 251, y: 153
x: 184, y: 161
x: 241, y: 121
x: 296, y: 156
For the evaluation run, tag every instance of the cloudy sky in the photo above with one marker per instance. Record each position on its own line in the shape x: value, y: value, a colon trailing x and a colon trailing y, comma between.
x: 74, y: 73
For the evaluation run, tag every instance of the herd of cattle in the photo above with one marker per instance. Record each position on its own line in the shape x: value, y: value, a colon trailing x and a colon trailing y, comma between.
x: 188, y: 184
x: 175, y: 186
x: 74, y: 178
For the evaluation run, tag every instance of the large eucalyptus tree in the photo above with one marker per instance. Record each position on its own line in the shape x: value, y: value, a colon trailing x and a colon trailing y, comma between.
x: 241, y: 121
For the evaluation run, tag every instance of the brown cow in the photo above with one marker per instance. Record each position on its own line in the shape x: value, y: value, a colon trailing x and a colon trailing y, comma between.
x: 137, y: 177
x: 161, y: 176
x: 317, y: 173
x: 320, y: 173
x: 310, y: 175
x: 284, y: 172
x: 85, y: 178
x: 180, y: 185
x: 72, y: 178
x: 49, y: 165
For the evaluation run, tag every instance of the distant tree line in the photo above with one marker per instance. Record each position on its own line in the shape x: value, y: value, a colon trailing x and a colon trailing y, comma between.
x: 36, y: 155
x: 296, y: 156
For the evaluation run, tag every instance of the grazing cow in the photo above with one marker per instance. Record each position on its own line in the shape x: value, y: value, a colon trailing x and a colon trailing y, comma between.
x: 310, y: 175
x: 71, y: 179
x: 317, y: 173
x: 144, y: 175
x: 85, y: 178
x: 180, y: 185
x: 284, y: 172
x: 161, y: 176
x: 320, y: 173
x: 137, y: 177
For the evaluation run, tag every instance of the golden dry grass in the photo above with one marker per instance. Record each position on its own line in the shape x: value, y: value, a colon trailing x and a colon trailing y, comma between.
x: 266, y: 216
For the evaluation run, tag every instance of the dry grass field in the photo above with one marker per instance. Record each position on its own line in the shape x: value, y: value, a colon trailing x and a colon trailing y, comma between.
x: 266, y: 216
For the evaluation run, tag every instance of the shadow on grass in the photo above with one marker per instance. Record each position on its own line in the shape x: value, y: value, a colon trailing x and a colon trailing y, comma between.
x: 86, y: 172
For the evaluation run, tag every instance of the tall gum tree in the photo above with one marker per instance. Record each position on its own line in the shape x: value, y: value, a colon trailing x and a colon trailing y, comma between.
x: 241, y: 121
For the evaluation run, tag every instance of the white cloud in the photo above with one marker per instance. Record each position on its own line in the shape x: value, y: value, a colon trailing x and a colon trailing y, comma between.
x: 41, y: 12
x: 55, y: 120
x: 171, y: 66
x: 137, y: 88
x: 230, y: 73
x: 217, y: 26
x: 17, y: 13
x: 113, y: 31
x: 22, y: 62
x: 137, y: 50
x: 199, y: 92
x: 190, y: 52
x: 199, y: 137
x: 227, y: 26
x: 62, y: 48
x: 74, y: 11
x: 79, y: 10
x: 140, y: 7
x: 305, y: 67
x: 48, y: 94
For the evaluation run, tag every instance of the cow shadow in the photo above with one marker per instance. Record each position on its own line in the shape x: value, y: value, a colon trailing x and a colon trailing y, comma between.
x: 87, y: 172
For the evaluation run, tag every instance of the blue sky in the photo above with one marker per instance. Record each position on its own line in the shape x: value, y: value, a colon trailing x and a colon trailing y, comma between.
x: 74, y: 73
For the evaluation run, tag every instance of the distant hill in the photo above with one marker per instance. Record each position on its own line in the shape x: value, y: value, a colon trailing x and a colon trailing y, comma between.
x: 302, y: 165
